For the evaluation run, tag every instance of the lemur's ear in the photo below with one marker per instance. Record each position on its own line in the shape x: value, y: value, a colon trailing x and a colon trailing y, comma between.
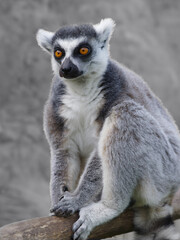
x: 105, y: 29
x: 44, y: 39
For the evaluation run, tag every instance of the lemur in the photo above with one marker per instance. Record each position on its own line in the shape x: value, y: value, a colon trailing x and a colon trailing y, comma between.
x: 112, y: 142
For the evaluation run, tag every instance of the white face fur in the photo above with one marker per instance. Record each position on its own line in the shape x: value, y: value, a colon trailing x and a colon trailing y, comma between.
x: 96, y: 61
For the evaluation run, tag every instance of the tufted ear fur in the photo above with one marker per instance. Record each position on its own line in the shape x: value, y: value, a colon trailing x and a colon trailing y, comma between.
x: 44, y: 39
x: 104, y: 29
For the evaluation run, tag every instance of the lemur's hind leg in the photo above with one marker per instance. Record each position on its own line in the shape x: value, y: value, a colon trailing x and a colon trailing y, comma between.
x: 155, y: 223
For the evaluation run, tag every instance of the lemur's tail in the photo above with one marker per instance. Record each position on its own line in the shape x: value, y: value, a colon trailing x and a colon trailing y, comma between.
x: 155, y: 224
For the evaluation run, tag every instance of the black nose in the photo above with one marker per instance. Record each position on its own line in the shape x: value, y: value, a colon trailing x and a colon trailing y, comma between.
x: 69, y: 69
x: 66, y: 69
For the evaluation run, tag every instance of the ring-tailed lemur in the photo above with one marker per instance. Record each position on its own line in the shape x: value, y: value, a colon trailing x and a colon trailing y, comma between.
x: 110, y: 137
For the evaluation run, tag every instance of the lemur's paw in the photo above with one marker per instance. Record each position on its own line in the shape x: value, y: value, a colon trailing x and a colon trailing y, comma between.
x: 67, y: 205
x: 82, y: 228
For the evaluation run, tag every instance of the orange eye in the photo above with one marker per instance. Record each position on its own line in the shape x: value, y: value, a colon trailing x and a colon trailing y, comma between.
x: 84, y: 51
x: 58, y: 53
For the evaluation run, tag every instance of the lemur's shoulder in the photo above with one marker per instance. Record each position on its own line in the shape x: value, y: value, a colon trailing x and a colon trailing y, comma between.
x: 120, y: 80
x: 117, y: 85
x: 120, y: 76
x: 120, y: 83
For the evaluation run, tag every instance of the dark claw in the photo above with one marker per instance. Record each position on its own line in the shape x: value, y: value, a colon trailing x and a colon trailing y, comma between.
x: 70, y: 211
x: 66, y: 213
x: 59, y: 213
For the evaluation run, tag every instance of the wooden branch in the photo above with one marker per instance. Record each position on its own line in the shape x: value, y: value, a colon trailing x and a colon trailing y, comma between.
x: 54, y: 228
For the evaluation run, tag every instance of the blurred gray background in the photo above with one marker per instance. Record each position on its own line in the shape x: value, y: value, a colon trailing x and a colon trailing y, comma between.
x: 146, y: 39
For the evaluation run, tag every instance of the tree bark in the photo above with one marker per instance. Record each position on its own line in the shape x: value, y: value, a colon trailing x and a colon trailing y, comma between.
x: 55, y: 228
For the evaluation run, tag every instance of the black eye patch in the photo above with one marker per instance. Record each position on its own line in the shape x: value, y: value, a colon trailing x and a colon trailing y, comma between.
x: 83, y: 51
x: 58, y: 48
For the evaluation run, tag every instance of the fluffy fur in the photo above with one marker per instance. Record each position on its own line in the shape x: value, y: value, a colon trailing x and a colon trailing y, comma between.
x: 110, y: 137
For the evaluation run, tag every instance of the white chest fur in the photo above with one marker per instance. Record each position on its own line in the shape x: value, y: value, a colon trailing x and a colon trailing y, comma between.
x: 80, y: 111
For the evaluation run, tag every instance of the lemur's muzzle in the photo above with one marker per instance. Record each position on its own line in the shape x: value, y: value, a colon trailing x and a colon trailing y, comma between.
x: 69, y: 69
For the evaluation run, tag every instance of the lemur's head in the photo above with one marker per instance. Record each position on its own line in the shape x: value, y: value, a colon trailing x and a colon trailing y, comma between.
x: 78, y: 50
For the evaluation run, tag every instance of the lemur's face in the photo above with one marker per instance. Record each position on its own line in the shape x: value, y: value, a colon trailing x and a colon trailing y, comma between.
x: 78, y: 51
x: 73, y: 57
